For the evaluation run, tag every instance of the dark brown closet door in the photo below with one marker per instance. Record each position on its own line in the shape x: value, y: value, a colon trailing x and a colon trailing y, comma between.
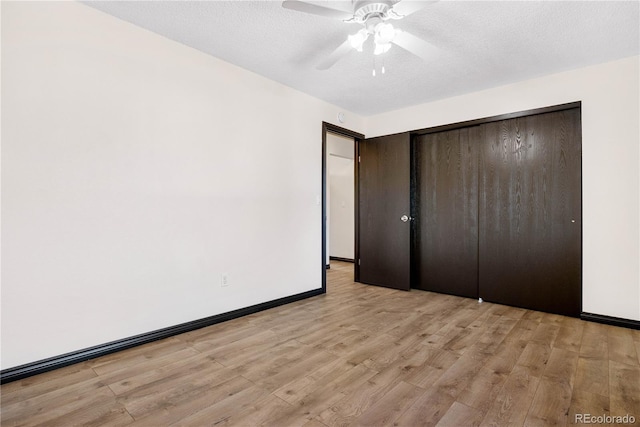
x: 446, y: 208
x: 530, y: 212
x: 383, y: 200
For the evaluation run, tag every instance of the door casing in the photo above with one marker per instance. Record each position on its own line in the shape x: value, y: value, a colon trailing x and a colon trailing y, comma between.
x: 357, y: 137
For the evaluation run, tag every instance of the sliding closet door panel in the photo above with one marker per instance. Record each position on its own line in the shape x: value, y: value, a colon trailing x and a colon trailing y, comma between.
x: 446, y: 207
x: 384, y: 184
x: 530, y: 212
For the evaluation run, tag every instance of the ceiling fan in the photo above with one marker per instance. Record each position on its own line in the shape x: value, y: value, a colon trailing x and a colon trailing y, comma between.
x: 373, y: 15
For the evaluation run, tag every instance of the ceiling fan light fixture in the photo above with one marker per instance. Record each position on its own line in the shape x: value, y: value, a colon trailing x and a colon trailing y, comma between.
x: 384, y: 33
x: 381, y: 48
x: 357, y: 40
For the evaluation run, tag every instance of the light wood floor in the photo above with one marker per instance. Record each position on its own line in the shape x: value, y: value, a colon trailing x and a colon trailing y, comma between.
x: 360, y: 355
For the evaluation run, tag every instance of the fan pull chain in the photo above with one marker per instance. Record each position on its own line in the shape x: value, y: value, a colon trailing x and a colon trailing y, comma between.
x: 373, y: 72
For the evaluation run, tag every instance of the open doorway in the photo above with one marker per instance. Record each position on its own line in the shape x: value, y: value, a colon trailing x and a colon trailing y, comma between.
x: 339, y: 196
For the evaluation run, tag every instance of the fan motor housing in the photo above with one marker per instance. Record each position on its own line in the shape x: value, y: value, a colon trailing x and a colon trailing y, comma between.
x: 365, y: 9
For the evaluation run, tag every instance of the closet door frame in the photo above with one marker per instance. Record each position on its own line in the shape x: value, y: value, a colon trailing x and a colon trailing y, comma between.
x: 477, y: 122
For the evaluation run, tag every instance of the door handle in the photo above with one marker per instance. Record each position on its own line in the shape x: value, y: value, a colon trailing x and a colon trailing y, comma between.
x: 404, y: 218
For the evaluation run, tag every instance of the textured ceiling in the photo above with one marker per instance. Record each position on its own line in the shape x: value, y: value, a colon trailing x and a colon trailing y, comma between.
x: 479, y: 44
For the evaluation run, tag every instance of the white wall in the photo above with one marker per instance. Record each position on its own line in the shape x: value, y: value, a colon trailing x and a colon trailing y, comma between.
x: 340, y: 197
x: 135, y: 171
x: 611, y: 160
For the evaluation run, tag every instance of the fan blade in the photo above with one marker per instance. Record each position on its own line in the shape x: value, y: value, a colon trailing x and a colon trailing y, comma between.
x: 315, y: 9
x: 407, y: 7
x: 414, y: 44
x: 340, y: 52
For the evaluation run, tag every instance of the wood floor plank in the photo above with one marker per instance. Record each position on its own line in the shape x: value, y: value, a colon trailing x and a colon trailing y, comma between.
x: 214, y: 339
x: 312, y: 405
x: 317, y: 333
x: 415, y: 368
x: 594, y: 345
x: 546, y: 333
x: 624, y: 389
x: 244, y: 348
x: 299, y: 387
x: 511, y: 350
x: 569, y: 338
x: 273, y: 379
x: 592, y: 375
x: 105, y: 414
x: 552, y: 319
x: 358, y: 355
x: 459, y: 414
x: 223, y: 410
x: 460, y: 375
x: 536, y: 316
x: 584, y: 402
x: 534, y: 358
x: 463, y: 340
x: 412, y: 323
x: 427, y: 410
x: 344, y: 344
x: 524, y: 329
x: 390, y: 406
x: 466, y: 316
x: 550, y: 406
x: 484, y: 388
x: 180, y: 403
x: 160, y: 366
x: 595, y: 328
x: 178, y: 369
x: 255, y: 364
x: 514, y: 400
x: 22, y: 390
x: 499, y: 326
x: 39, y: 411
x: 573, y: 323
x: 388, y: 354
x: 145, y: 401
x: 505, y: 311
x: 561, y: 367
x: 622, y: 348
x: 368, y: 348
x: 256, y: 413
x: 135, y: 356
x: 352, y: 405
